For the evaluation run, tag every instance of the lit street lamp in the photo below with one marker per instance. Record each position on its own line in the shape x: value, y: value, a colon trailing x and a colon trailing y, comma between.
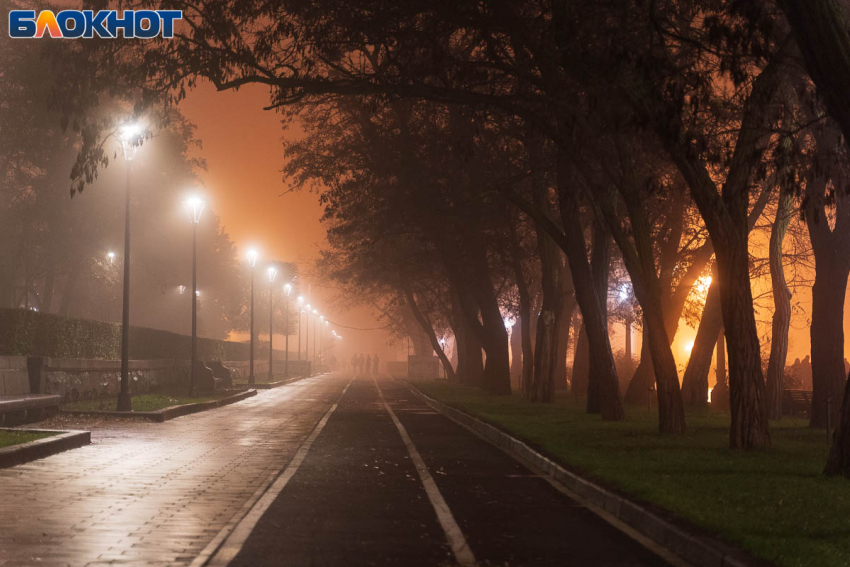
x: 111, y: 256
x: 315, y: 342
x: 194, y: 206
x: 272, y: 276
x: 129, y: 143
x: 287, y: 289
x: 252, y: 261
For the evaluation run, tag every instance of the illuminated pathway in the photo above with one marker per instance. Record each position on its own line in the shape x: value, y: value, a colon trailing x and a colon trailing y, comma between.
x: 146, y: 493
x: 377, y: 479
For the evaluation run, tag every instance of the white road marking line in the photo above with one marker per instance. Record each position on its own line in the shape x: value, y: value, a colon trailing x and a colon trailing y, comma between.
x: 463, y: 554
x: 230, y: 540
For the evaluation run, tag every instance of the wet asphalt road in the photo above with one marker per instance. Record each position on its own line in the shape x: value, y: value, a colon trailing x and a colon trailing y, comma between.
x: 357, y: 499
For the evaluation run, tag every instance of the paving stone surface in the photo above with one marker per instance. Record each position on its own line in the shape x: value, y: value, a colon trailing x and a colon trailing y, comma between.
x: 153, y: 493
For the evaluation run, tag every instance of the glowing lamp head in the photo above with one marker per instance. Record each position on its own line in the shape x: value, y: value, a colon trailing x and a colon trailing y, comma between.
x: 111, y: 256
x: 308, y: 308
x: 194, y: 205
x: 129, y: 135
x: 287, y: 289
x: 315, y: 311
x: 252, y: 257
x: 300, y: 299
x: 327, y: 323
x: 181, y: 289
x: 272, y: 273
x: 689, y: 347
x: 624, y: 292
x: 197, y: 293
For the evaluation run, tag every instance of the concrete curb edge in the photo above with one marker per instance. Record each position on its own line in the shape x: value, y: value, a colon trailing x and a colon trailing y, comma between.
x: 169, y: 413
x: 40, y: 448
x: 700, y: 550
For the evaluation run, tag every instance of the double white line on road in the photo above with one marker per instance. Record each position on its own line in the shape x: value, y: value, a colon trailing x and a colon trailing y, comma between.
x: 229, y: 541
x: 457, y: 541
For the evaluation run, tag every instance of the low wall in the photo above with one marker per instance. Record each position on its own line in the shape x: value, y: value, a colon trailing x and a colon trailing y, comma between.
x: 82, y: 379
x: 14, y: 378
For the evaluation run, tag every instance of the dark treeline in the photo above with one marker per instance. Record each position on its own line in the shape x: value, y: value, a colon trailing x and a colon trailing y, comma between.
x: 484, y: 159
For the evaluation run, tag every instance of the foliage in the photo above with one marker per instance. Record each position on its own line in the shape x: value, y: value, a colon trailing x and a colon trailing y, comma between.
x: 28, y: 333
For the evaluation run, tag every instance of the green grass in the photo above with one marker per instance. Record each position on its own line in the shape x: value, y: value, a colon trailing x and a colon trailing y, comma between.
x: 141, y: 402
x: 774, y: 503
x: 9, y: 438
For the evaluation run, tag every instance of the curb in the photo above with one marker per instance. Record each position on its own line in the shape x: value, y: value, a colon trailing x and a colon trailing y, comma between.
x: 700, y: 550
x: 270, y: 385
x: 40, y: 448
x: 171, y: 412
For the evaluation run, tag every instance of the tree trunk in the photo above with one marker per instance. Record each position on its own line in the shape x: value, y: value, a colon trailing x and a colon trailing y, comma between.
x: 470, y: 366
x: 581, y: 363
x: 524, y: 358
x: 832, y: 264
x: 569, y: 305
x: 695, y: 381
x: 746, y: 381
x: 590, y: 302
x: 516, y: 354
x: 428, y: 329
x: 781, y: 306
x: 644, y: 377
x: 600, y: 263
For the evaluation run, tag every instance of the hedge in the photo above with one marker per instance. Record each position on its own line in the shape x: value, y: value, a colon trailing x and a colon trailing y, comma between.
x: 29, y: 333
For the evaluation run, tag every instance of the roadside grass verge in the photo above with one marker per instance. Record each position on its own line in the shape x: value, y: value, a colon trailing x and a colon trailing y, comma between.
x: 264, y: 379
x: 775, y: 503
x: 9, y: 438
x: 141, y: 402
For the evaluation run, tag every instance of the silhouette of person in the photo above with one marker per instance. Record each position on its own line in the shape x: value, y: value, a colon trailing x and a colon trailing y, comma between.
x: 368, y: 368
x: 375, y: 365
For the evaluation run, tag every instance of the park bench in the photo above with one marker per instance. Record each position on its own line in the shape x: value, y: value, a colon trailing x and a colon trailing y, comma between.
x: 27, y: 407
x: 796, y: 402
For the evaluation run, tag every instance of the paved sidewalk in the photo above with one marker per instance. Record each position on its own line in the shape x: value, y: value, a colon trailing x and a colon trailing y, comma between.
x: 358, y: 499
x: 154, y: 494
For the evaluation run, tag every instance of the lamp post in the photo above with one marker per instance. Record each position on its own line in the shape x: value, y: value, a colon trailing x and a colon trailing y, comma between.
x: 287, y: 289
x: 129, y: 143
x: 300, y: 312
x: 194, y: 206
x: 307, y: 336
x: 252, y: 261
x: 272, y: 276
x: 315, y: 356
x: 111, y: 256
x: 324, y: 333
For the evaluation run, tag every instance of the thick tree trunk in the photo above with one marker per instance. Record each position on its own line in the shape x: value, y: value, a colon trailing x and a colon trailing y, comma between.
x: 470, y: 366
x: 746, y: 380
x: 599, y: 345
x: 827, y: 332
x: 581, y: 363
x: 695, y: 381
x: 832, y: 266
x: 644, y: 377
x: 600, y: 264
x: 569, y: 305
x: 838, y: 462
x: 781, y: 306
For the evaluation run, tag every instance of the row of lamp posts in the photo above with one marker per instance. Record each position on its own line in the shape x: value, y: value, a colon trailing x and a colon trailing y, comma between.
x: 130, y: 138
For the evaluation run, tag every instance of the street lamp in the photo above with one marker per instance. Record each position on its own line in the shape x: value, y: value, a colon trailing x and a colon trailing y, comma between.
x: 300, y: 312
x: 287, y: 289
x: 194, y: 207
x: 111, y: 256
x: 252, y: 261
x: 129, y: 143
x: 315, y: 342
x: 307, y: 335
x: 272, y: 276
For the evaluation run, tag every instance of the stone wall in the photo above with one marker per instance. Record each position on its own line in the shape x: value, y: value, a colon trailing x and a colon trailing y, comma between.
x: 83, y: 379
x: 14, y: 378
